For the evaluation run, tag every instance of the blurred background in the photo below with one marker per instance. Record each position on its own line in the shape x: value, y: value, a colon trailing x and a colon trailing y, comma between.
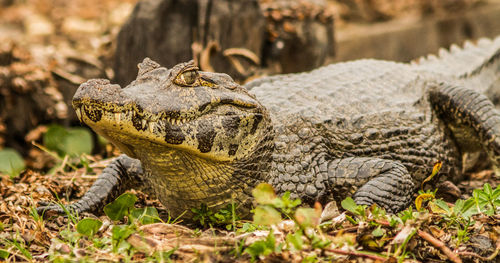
x: 49, y: 47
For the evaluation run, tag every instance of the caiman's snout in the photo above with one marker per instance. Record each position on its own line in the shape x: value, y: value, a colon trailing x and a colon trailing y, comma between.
x: 98, y: 91
x: 97, y: 96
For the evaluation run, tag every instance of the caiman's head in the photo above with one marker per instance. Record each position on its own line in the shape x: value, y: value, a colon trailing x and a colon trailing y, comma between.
x: 202, y: 113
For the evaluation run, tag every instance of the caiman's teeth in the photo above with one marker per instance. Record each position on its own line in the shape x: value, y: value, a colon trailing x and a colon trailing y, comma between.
x: 118, y: 116
x: 152, y: 126
x: 78, y: 114
x: 443, y: 52
x: 468, y: 44
x: 144, y: 123
x: 160, y: 124
x: 432, y: 58
x: 454, y: 48
x: 177, y: 121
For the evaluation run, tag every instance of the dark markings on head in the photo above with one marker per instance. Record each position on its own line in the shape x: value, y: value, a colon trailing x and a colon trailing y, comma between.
x: 136, y: 121
x: 94, y: 114
x: 232, y: 149
x: 231, y: 125
x: 205, y: 135
x: 256, y: 120
x: 203, y: 106
x: 174, y: 134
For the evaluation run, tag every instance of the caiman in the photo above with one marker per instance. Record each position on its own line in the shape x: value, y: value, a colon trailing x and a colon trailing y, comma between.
x: 369, y: 129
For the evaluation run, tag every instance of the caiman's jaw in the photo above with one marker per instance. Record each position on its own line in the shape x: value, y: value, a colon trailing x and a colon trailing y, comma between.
x: 203, y: 113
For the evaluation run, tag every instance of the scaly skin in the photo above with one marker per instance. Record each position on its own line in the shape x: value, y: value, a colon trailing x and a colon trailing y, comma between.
x: 371, y: 129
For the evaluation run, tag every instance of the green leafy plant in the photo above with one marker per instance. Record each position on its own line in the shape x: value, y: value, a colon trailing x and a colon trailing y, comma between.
x: 263, y: 247
x: 351, y: 206
x: 70, y: 236
x: 294, y: 240
x: 68, y: 141
x: 226, y: 217
x: 147, y: 215
x: 119, y: 234
x: 203, y: 215
x: 4, y: 254
x: 270, y: 206
x: 266, y: 215
x: 11, y: 162
x: 124, y: 206
x: 19, y: 244
x: 405, y: 215
x: 461, y: 210
x: 270, y: 211
x: 88, y: 226
x: 120, y: 207
x: 487, y: 200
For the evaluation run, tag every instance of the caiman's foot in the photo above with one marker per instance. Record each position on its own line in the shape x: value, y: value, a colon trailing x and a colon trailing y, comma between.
x: 117, y: 177
x: 383, y: 182
x: 471, y: 116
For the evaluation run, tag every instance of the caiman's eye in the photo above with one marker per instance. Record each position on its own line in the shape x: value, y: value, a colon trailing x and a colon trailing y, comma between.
x: 187, y: 78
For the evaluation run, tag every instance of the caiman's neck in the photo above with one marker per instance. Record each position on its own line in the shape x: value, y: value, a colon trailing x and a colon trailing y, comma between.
x: 183, y: 181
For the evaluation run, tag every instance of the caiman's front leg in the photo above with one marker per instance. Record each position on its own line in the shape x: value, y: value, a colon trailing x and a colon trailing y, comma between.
x: 121, y: 174
x: 471, y: 116
x: 386, y: 183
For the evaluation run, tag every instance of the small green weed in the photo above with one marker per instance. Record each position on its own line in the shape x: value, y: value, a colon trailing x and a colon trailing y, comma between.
x: 263, y: 247
x: 226, y: 217
x: 88, y: 226
x: 269, y: 212
x: 16, y: 243
x: 124, y: 206
x: 487, y: 200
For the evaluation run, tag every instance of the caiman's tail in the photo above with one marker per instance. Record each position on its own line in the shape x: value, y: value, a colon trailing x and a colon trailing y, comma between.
x: 476, y: 64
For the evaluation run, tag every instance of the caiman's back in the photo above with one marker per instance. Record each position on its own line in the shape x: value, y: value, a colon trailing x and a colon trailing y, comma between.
x: 372, y: 86
x: 343, y: 90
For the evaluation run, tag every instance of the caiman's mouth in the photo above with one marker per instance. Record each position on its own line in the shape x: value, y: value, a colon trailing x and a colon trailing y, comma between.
x: 95, y: 110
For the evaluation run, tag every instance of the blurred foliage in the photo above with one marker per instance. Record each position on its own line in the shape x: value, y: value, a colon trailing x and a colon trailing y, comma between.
x: 11, y: 162
x: 68, y: 141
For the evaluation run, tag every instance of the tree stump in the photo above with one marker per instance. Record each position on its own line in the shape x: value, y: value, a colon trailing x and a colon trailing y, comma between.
x: 232, y: 36
x: 171, y: 31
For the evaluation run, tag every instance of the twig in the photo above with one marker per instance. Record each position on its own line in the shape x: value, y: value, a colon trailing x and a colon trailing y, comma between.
x: 74, y: 79
x: 242, y: 52
x: 54, y: 155
x: 348, y: 230
x: 356, y: 254
x: 383, y: 222
x: 205, y: 55
x: 231, y: 54
x: 437, y: 243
